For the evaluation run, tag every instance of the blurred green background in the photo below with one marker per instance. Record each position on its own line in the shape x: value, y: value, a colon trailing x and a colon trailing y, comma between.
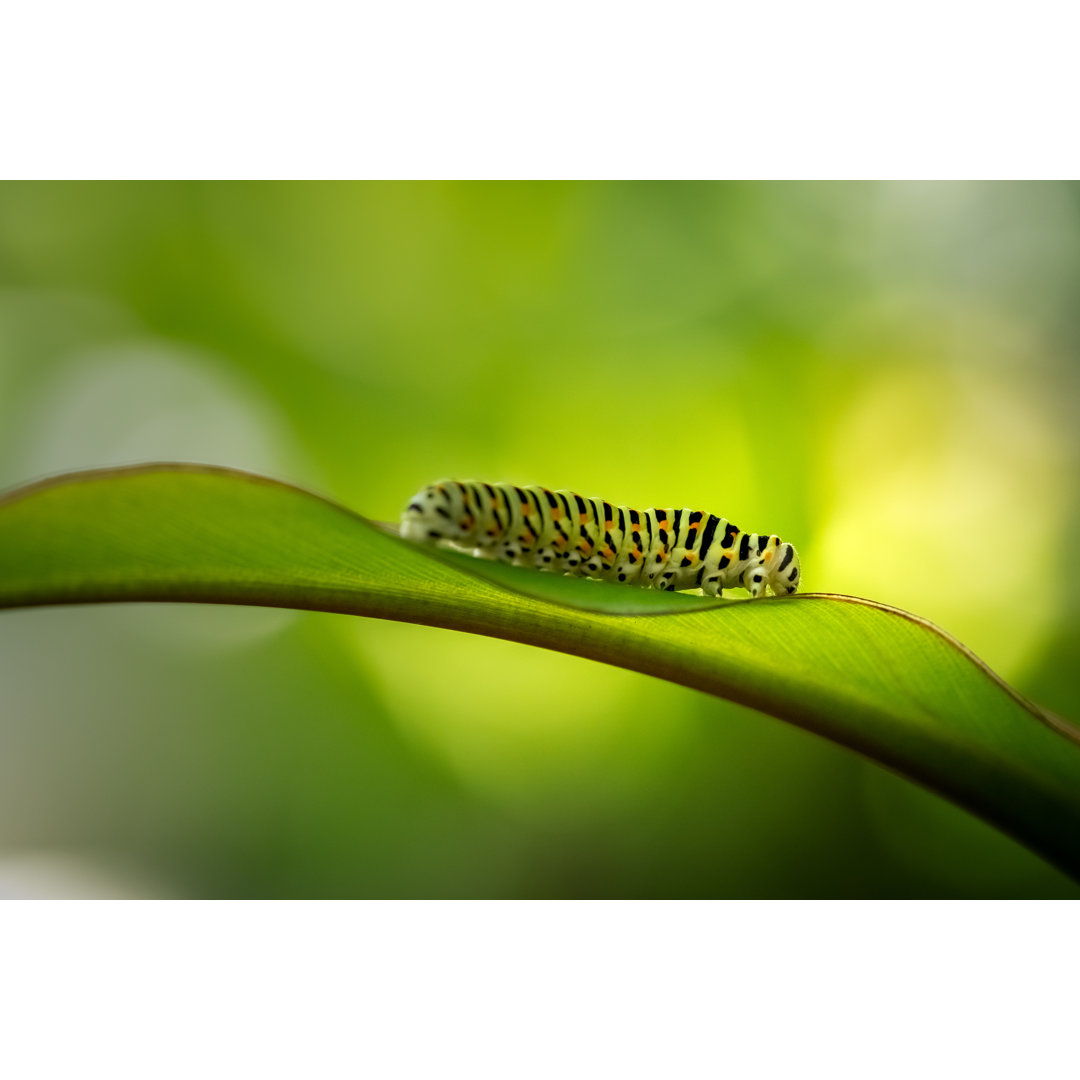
x: 886, y: 374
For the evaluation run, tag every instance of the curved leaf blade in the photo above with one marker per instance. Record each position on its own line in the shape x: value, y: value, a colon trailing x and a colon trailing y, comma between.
x: 875, y: 679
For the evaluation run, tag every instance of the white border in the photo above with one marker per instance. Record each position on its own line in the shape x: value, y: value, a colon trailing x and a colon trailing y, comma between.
x: 539, y: 990
x: 585, y: 89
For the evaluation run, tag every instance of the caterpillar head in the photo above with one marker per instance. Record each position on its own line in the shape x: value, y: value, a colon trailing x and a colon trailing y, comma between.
x: 783, y: 570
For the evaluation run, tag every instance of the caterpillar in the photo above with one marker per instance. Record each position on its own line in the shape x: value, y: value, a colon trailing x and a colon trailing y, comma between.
x: 561, y: 531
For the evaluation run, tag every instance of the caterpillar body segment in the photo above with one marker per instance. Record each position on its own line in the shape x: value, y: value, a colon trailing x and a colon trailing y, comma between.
x: 560, y: 531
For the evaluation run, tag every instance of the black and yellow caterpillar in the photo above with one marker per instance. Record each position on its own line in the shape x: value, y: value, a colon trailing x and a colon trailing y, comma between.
x: 563, y: 532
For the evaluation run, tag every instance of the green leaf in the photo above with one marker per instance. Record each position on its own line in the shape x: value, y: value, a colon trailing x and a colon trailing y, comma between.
x: 872, y: 678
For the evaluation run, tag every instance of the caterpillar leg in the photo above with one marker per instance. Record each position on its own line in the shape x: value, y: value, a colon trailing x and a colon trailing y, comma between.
x: 754, y: 579
x: 547, y: 558
x: 666, y: 581
x: 710, y: 586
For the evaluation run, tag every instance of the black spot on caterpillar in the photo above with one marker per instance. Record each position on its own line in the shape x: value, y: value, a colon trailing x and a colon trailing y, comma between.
x: 533, y: 526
